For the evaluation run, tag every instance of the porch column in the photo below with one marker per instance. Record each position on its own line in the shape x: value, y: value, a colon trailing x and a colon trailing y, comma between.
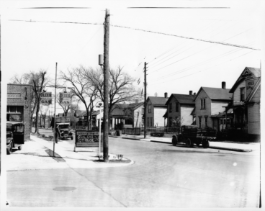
x: 113, y: 122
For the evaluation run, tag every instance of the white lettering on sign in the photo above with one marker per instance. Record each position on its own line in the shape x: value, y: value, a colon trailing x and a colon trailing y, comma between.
x: 46, y: 95
x: 14, y: 95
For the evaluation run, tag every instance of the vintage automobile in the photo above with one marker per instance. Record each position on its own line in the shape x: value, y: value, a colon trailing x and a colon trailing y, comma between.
x: 14, y: 135
x: 63, y: 131
x: 191, y: 134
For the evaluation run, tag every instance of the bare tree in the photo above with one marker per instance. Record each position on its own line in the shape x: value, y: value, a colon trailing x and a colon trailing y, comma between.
x: 82, y: 88
x: 121, y: 87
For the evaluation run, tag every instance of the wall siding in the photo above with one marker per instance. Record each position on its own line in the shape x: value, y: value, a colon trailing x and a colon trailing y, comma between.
x: 203, y: 112
x: 187, y: 119
x: 217, y: 107
x: 236, y: 94
x: 158, y: 116
x: 148, y: 115
x: 173, y: 114
x: 137, y: 117
x: 254, y: 119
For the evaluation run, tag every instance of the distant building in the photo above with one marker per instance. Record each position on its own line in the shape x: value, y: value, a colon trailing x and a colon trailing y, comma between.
x: 209, y: 103
x: 246, y: 101
x: 179, y: 107
x: 156, y: 108
x: 19, y: 105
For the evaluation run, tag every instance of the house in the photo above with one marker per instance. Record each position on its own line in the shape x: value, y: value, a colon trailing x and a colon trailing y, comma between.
x: 129, y: 115
x: 156, y: 108
x: 179, y: 108
x: 246, y: 101
x: 209, y: 104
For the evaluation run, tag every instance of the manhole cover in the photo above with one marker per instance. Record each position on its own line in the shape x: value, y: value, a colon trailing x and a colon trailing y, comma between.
x: 64, y: 188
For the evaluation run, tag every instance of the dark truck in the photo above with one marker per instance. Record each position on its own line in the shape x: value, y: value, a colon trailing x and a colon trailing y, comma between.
x: 191, y: 134
x: 14, y: 135
x: 63, y: 131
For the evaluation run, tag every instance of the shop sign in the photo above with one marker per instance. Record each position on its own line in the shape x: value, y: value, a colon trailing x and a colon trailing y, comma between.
x: 46, y: 98
x: 65, y: 98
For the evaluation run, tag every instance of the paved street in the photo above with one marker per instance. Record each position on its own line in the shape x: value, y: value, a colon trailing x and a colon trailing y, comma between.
x: 161, y: 176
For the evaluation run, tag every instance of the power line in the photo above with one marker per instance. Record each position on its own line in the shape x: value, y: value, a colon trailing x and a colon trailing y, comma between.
x: 188, y: 68
x: 149, y: 31
x: 200, y: 70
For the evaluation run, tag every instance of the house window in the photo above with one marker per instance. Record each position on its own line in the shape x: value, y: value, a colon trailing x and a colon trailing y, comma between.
x: 242, y: 94
x: 149, y: 108
x: 206, y: 118
x: 170, y: 107
x: 203, y: 103
x: 200, y: 122
x: 177, y: 107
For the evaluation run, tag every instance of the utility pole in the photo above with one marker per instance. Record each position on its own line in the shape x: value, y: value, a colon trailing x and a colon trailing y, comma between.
x: 145, y: 118
x: 54, y: 126
x: 106, y: 89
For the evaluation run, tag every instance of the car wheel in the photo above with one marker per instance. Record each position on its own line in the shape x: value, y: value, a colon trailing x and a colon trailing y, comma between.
x: 174, y: 140
x: 189, y: 142
x: 19, y: 147
x: 205, y: 144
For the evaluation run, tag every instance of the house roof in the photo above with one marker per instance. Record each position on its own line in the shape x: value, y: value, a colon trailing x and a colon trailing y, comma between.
x: 246, y: 72
x: 158, y: 101
x: 216, y: 93
x: 182, y: 99
x: 119, y: 109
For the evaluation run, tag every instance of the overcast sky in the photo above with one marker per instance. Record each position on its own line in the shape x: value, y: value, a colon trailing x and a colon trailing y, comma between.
x: 175, y: 64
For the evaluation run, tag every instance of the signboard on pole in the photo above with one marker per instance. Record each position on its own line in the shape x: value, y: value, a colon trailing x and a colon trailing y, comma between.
x: 86, y: 139
x: 65, y: 98
x: 46, y: 98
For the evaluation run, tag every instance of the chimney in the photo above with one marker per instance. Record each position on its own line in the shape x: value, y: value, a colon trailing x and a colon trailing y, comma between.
x: 190, y: 92
x: 165, y: 94
x: 223, y: 85
x: 194, y: 93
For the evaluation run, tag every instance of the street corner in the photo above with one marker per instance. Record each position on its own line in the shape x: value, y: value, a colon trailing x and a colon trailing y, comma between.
x: 115, y: 160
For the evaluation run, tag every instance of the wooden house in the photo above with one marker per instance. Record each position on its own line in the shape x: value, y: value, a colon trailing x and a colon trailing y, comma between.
x: 179, y: 108
x: 246, y: 101
x: 209, y: 103
x: 156, y: 108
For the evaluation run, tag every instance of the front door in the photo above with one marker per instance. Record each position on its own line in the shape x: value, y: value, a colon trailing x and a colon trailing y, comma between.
x: 18, y: 134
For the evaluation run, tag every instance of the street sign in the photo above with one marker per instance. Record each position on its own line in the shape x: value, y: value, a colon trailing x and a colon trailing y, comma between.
x: 65, y: 98
x: 46, y: 98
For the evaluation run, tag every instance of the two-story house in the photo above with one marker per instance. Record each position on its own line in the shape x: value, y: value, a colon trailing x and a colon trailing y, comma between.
x: 179, y: 108
x: 209, y: 102
x: 246, y: 101
x: 155, y: 110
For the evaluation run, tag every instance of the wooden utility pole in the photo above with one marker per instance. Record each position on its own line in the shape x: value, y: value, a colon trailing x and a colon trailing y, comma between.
x: 145, y: 109
x: 54, y: 125
x: 106, y: 89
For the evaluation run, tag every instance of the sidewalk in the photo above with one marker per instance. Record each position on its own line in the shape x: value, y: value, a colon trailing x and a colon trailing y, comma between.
x: 224, y: 145
x: 37, y: 153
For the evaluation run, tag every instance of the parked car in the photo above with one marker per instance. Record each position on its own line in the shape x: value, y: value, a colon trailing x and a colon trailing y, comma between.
x: 63, y: 131
x: 14, y: 135
x: 191, y: 134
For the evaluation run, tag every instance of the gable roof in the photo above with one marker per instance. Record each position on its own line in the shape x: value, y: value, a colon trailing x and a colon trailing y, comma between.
x: 246, y: 72
x: 120, y: 109
x: 216, y: 93
x: 182, y: 99
x: 253, y: 91
x: 158, y: 101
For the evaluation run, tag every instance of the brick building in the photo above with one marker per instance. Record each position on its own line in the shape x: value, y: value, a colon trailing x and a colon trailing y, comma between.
x: 19, y: 105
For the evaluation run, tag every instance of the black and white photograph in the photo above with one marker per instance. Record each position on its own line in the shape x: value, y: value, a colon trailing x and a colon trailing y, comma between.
x: 132, y: 104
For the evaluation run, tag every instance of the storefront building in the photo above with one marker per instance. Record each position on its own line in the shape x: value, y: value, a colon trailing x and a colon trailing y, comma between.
x: 19, y: 105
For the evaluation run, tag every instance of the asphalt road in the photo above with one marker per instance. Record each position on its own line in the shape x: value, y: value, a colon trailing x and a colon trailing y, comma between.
x: 161, y: 176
